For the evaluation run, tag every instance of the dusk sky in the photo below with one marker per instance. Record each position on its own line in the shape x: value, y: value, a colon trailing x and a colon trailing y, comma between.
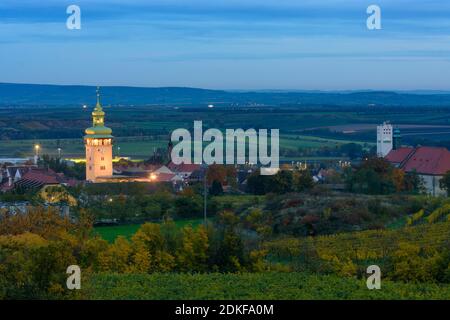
x: 228, y: 44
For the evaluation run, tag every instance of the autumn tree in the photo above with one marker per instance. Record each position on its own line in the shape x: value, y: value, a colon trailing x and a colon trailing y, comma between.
x: 149, y: 236
x: 216, y: 188
x: 398, y: 178
x: 193, y: 253
x: 444, y: 183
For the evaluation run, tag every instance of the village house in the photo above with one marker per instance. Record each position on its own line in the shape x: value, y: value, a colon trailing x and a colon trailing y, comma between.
x: 184, y: 170
x: 430, y: 163
x: 32, y: 177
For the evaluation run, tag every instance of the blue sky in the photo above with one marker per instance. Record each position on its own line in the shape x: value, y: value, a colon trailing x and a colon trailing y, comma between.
x: 228, y: 44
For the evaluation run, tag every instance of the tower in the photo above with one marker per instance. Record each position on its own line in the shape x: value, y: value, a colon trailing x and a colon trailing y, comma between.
x: 397, y: 139
x: 98, y: 142
x: 384, y: 139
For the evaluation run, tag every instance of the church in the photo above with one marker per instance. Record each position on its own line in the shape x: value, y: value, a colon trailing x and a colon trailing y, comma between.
x: 98, y: 141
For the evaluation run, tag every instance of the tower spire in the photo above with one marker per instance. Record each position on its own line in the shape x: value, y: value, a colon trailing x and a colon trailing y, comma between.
x: 98, y: 98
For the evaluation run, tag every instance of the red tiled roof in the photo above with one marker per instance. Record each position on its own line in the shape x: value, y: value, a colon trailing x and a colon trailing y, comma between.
x: 38, y: 177
x: 42, y: 177
x: 429, y: 160
x: 399, y: 155
x: 183, y: 167
x: 165, y: 177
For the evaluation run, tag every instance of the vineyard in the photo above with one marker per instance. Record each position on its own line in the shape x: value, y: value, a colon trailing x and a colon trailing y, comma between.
x: 439, y: 214
x: 423, y: 246
x: 263, y: 286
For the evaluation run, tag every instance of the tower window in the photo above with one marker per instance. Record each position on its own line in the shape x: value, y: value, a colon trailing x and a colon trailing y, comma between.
x: 103, y: 158
x: 102, y: 168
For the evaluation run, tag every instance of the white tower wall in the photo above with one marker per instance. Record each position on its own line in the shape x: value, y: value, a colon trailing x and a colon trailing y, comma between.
x: 98, y: 159
x: 384, y: 139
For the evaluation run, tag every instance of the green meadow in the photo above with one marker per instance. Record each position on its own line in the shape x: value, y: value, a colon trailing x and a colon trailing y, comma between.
x: 139, y: 147
x: 110, y: 233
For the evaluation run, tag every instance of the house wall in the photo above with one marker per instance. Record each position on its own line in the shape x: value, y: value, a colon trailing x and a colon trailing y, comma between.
x: 432, y: 185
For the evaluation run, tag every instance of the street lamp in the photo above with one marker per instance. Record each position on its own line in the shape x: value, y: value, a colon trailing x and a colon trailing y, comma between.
x: 36, y: 153
x: 205, y: 196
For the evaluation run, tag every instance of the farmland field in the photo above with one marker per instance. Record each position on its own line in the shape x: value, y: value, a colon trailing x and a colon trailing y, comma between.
x: 139, y: 147
x: 139, y: 130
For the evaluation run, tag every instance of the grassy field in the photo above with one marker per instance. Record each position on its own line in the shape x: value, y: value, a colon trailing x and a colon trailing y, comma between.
x: 235, y: 201
x: 264, y: 286
x: 110, y: 233
x: 139, y: 147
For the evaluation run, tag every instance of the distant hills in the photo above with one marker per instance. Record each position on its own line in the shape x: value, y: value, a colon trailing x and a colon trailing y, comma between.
x: 41, y: 95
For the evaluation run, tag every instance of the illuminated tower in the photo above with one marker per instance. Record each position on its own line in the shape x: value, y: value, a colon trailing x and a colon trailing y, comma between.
x: 98, y: 141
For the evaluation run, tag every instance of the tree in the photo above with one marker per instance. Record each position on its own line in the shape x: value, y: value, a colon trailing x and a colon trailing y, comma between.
x: 216, y: 188
x: 256, y: 183
x: 188, y: 206
x: 398, y: 178
x: 373, y: 176
x: 45, y: 222
x: 193, y: 253
x: 444, y: 183
x: 414, y: 183
x: 117, y: 256
x: 352, y: 150
x: 280, y: 183
x: 303, y: 180
x: 216, y: 172
x: 150, y: 237
x: 225, y: 174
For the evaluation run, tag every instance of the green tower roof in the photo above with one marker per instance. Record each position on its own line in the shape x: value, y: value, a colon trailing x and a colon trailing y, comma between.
x: 98, y: 129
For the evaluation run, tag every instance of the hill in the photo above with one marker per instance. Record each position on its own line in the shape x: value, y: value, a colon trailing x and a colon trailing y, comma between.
x: 36, y: 94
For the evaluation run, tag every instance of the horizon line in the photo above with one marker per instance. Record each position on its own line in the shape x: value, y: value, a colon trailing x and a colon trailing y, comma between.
x: 266, y: 90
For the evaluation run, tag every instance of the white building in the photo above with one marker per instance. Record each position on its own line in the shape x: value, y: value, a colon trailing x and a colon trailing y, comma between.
x: 384, y: 139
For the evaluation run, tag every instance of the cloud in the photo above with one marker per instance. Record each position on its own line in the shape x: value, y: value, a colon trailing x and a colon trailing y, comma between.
x: 261, y: 34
